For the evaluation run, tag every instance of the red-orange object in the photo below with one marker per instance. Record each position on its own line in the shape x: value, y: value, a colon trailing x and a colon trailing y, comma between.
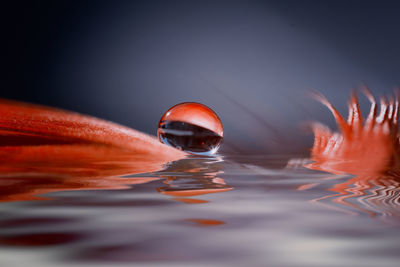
x: 368, y: 149
x: 45, y: 149
x: 31, y: 125
x: 361, y: 147
x: 205, y: 222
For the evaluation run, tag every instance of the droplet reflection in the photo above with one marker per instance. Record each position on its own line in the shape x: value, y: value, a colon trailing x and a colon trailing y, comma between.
x: 191, y: 127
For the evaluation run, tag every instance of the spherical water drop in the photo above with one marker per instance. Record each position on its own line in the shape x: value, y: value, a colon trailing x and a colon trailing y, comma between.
x: 191, y: 127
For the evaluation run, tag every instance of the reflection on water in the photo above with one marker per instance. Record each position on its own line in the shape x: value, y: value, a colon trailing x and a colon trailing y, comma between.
x: 253, y: 210
x: 193, y: 177
x: 376, y: 196
x: 32, y: 187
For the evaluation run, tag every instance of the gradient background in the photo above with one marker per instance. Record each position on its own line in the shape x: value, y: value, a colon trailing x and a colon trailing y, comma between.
x: 251, y: 61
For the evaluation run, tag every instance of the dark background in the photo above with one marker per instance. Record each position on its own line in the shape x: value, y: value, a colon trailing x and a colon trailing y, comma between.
x: 251, y: 61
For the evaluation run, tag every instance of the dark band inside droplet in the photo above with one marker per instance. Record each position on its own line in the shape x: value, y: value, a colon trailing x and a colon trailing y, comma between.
x: 188, y: 137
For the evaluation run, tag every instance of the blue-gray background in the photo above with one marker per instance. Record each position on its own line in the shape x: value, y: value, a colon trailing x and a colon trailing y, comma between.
x: 253, y: 62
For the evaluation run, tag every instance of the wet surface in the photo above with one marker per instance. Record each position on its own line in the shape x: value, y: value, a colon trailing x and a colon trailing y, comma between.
x: 234, y: 210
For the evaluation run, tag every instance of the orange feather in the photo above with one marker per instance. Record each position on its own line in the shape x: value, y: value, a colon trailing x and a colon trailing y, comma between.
x: 45, y: 149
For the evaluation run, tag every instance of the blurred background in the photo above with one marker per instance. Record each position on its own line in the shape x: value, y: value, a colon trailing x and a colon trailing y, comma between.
x: 253, y: 62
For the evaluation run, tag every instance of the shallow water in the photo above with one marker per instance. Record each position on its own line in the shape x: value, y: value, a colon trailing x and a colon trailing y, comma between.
x: 237, y: 210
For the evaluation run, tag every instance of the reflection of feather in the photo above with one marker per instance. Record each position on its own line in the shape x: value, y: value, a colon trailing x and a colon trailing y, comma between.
x: 376, y: 196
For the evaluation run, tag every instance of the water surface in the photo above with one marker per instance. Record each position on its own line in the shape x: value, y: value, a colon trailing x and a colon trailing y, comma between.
x: 232, y: 211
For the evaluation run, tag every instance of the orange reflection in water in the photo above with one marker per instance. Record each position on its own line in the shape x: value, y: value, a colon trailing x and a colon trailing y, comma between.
x: 376, y: 196
x: 197, y: 176
x: 27, y: 172
x: 207, y: 186
x: 205, y: 222
x: 369, y: 149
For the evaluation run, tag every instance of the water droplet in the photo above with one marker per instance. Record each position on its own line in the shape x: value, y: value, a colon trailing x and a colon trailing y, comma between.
x: 191, y: 127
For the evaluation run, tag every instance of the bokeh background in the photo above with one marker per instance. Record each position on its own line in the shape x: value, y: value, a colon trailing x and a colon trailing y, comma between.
x: 253, y: 62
